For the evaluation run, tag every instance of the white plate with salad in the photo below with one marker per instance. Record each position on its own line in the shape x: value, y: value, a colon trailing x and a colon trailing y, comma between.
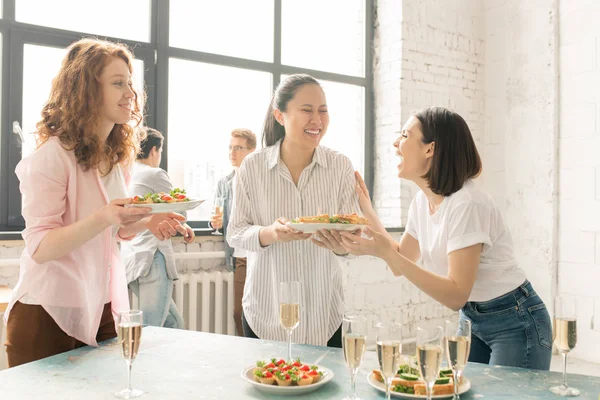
x: 174, y: 201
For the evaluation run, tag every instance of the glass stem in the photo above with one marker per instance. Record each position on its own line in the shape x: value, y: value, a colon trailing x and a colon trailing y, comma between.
x: 564, y: 383
x: 429, y: 388
x: 353, y: 382
x: 129, y: 376
x: 290, y: 346
x: 456, y: 378
x: 388, y: 383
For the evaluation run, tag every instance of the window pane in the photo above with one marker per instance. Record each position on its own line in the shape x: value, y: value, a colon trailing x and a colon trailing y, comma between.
x: 40, y: 66
x: 346, y: 132
x: 116, y: 18
x: 206, y: 102
x: 339, y: 48
x: 237, y: 28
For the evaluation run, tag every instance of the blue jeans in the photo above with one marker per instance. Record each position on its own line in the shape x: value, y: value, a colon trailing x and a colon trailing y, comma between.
x: 513, y: 330
x: 155, y: 294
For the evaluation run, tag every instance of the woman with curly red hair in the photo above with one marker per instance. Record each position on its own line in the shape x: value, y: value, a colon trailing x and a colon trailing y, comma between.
x: 74, y: 192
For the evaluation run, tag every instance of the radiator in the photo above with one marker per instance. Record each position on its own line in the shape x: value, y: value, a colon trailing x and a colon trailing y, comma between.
x: 205, y: 300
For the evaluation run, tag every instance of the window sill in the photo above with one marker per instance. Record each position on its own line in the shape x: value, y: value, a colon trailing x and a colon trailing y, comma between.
x: 395, y: 229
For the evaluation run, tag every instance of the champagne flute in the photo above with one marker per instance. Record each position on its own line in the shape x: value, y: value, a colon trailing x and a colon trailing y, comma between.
x: 458, y: 347
x: 389, y: 352
x: 130, y: 336
x: 564, y: 337
x: 354, y: 332
x: 218, y: 210
x: 289, y: 310
x: 429, y: 356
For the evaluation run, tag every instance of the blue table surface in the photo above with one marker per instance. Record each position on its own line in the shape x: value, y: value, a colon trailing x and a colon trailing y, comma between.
x: 178, y: 364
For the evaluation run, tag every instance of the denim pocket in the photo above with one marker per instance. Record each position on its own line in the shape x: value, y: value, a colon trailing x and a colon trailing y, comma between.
x: 496, y: 306
x: 543, y: 325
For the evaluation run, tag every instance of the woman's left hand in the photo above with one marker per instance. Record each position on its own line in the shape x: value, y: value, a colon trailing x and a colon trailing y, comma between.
x: 376, y: 244
x: 330, y: 240
x: 166, y: 225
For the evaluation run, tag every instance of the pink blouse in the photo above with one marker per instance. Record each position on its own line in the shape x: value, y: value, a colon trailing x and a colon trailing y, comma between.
x: 57, y: 192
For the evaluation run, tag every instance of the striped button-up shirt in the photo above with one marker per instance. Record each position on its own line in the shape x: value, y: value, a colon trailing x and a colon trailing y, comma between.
x: 265, y: 191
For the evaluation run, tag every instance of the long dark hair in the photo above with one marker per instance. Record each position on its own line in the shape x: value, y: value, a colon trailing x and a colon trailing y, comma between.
x: 272, y: 130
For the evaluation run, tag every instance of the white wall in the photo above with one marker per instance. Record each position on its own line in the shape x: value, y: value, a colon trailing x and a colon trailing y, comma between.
x: 520, y: 134
x: 442, y: 64
x: 579, y: 161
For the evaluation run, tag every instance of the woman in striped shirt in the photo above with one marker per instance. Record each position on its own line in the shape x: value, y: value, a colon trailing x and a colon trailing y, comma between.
x: 293, y: 176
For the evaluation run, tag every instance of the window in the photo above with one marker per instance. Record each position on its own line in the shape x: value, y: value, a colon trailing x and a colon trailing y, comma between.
x: 202, y: 113
x: 324, y: 35
x: 228, y: 27
x: 208, y: 68
x: 114, y: 18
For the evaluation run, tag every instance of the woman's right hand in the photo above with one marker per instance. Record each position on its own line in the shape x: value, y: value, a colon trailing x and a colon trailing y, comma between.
x: 115, y: 213
x: 283, y: 233
x: 363, y: 194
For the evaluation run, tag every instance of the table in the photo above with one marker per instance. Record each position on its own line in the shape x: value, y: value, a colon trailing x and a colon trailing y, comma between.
x: 179, y: 364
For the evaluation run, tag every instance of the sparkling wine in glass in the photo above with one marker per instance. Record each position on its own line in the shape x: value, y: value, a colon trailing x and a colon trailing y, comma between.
x: 129, y: 336
x: 354, y: 333
x: 289, y: 310
x: 218, y: 210
x: 429, y: 355
x: 458, y: 347
x: 389, y: 352
x: 564, y: 337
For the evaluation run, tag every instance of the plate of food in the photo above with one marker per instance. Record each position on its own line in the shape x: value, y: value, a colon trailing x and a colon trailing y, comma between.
x: 174, y: 201
x: 408, y: 385
x: 286, y: 378
x: 339, y: 222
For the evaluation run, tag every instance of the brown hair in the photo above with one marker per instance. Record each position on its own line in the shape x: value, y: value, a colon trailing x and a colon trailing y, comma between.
x: 245, y: 134
x: 153, y: 139
x: 455, y: 156
x: 72, y: 112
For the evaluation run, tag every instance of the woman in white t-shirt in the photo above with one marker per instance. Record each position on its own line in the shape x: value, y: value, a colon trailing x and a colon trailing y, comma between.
x: 465, y: 247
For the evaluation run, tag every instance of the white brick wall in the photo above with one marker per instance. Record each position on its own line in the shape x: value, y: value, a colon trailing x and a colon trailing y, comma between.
x: 442, y: 64
x: 413, y: 68
x: 579, y: 191
x: 519, y: 144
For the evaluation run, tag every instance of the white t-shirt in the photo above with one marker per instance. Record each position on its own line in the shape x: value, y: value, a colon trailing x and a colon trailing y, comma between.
x: 465, y: 218
x: 114, y: 184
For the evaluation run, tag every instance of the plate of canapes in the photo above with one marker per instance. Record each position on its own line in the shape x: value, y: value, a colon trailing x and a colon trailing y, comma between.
x: 280, y: 377
x: 338, y: 222
x: 407, y: 384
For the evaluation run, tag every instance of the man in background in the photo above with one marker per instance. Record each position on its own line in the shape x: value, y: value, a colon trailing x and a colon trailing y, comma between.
x: 242, y: 143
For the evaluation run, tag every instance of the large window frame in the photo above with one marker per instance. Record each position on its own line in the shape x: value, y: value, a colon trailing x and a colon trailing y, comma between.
x: 156, y: 55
